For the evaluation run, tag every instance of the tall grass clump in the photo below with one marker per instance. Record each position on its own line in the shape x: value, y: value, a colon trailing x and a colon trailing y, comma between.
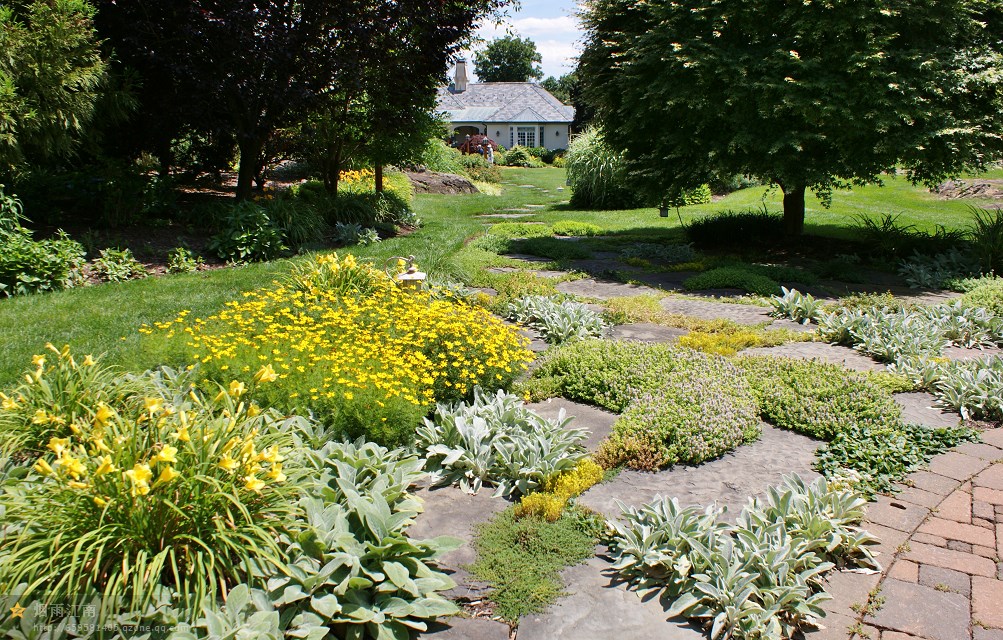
x: 986, y: 236
x: 598, y: 174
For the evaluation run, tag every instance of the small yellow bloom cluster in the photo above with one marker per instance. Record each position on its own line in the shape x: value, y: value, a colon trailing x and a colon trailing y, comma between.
x: 550, y: 502
x: 321, y: 342
x: 351, y: 177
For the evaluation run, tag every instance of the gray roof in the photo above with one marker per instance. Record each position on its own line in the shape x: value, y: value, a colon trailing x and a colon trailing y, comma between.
x: 503, y: 102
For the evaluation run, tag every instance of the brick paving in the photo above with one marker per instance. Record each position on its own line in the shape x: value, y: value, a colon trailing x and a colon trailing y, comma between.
x: 942, y: 541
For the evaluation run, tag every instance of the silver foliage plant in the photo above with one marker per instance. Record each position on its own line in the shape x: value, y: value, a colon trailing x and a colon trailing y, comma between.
x: 557, y: 321
x: 758, y: 578
x: 497, y: 441
x: 799, y: 307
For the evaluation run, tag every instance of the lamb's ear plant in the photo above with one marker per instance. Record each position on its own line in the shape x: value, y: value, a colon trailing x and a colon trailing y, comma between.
x: 799, y: 307
x: 496, y: 440
x: 557, y: 321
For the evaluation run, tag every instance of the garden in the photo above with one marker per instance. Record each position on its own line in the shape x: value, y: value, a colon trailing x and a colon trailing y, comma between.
x: 728, y: 372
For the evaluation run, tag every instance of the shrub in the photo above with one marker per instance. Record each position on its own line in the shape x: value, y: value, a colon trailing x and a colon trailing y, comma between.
x: 365, y: 363
x: 678, y: 405
x: 29, y: 266
x: 247, y: 234
x: 557, y: 321
x: 577, y: 229
x: 300, y: 223
x: 118, y: 265
x: 598, y: 175
x: 479, y: 169
x: 699, y: 195
x: 180, y: 501
x: 732, y: 278
x: 498, y: 441
x: 816, y: 398
x: 440, y: 157
x: 736, y: 228
x: 758, y: 578
x: 183, y: 260
x: 987, y: 293
x: 520, y: 230
x: 519, y: 156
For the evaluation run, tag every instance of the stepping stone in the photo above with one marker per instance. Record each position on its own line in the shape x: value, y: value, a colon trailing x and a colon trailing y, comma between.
x: 729, y: 480
x: 506, y: 216
x: 784, y: 323
x: 536, y: 342
x: 589, y: 288
x: 647, y: 332
x: 960, y: 353
x: 666, y: 280
x: 918, y: 408
x: 457, y: 628
x: 604, y: 265
x: 488, y: 291
x: 542, y: 273
x: 449, y: 511
x: 535, y: 206
x: 706, y: 310
x: 598, y: 422
x: 921, y: 611
x: 831, y: 353
x: 600, y: 607
x: 527, y: 258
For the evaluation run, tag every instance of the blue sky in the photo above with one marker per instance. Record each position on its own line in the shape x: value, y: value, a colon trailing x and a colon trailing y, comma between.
x: 550, y: 24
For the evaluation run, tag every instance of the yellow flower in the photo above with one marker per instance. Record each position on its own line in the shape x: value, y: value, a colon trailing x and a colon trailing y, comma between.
x: 182, y: 434
x: 106, y: 466
x: 41, y: 417
x: 89, y: 361
x: 237, y: 389
x: 100, y: 445
x: 167, y: 454
x: 38, y: 361
x: 7, y: 403
x: 103, y: 415
x: 253, y: 410
x: 139, y: 475
x: 251, y: 483
x: 266, y: 374
x: 43, y: 467
x: 77, y: 485
x: 275, y: 473
x: 167, y: 475
x: 227, y: 463
x: 73, y: 466
x: 153, y: 405
x: 101, y: 502
x: 58, y: 445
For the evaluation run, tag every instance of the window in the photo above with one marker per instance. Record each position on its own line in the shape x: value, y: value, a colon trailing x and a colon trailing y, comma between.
x: 526, y: 136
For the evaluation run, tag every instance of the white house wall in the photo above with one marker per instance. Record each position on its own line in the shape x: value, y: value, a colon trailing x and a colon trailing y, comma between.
x: 555, y: 136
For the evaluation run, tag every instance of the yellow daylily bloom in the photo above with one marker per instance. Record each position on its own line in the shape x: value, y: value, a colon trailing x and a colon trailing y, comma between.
x: 253, y: 410
x: 100, y: 445
x: 103, y: 415
x: 38, y: 361
x: 73, y: 484
x: 40, y: 417
x: 72, y: 466
x: 89, y: 361
x: 101, y: 502
x: 252, y: 483
x: 266, y: 374
x: 6, y: 402
x: 182, y: 434
x: 227, y: 463
x: 153, y: 405
x: 167, y: 454
x: 106, y: 466
x: 167, y: 475
x: 271, y: 454
x: 43, y: 467
x: 275, y: 473
x: 58, y: 445
x: 237, y: 389
x: 140, y: 475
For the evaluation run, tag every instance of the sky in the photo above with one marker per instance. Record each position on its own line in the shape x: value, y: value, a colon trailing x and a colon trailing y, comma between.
x: 550, y: 24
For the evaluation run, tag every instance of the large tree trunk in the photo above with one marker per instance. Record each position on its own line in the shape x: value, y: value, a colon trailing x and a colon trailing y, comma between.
x: 793, y: 211
x: 250, y: 161
x: 378, y: 178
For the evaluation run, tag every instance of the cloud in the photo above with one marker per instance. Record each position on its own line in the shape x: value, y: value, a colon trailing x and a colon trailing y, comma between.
x: 557, y: 39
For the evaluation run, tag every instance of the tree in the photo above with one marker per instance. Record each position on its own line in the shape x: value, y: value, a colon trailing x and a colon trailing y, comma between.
x: 51, y: 78
x: 561, y: 88
x: 806, y: 95
x: 508, y: 59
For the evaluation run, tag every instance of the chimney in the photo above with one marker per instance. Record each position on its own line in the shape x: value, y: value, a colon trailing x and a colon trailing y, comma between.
x: 460, y: 81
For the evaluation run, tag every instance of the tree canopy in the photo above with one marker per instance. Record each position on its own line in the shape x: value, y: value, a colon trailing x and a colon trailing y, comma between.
x: 51, y: 77
x: 817, y: 94
x: 508, y: 59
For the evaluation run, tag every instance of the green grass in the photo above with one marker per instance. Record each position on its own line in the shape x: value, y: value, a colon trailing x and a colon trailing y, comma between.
x: 105, y: 319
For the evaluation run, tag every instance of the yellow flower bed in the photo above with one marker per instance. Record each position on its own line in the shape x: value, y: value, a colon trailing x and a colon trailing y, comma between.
x: 345, y: 341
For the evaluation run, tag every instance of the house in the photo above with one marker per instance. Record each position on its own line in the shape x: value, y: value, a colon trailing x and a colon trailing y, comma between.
x: 510, y: 113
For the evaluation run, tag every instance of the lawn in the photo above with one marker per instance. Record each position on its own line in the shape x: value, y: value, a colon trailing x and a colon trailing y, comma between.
x: 105, y: 319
